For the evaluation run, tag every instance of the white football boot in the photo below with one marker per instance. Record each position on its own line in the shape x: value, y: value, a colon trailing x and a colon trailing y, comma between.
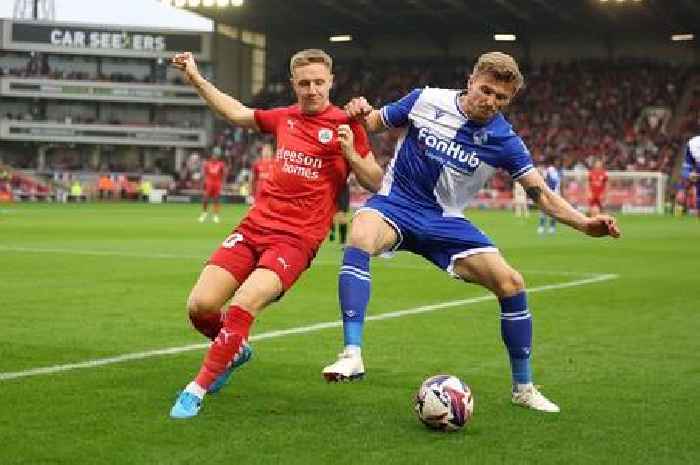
x: 528, y: 396
x: 348, y: 367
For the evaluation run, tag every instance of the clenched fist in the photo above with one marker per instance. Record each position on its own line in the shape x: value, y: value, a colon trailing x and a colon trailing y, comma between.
x: 184, y: 61
x: 358, y: 108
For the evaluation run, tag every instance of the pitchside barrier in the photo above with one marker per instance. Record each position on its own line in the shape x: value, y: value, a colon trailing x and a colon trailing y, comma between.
x: 627, y: 192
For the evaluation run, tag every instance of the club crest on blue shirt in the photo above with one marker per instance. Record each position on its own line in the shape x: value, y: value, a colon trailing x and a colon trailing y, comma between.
x: 439, y: 112
x: 325, y: 135
x: 481, y: 137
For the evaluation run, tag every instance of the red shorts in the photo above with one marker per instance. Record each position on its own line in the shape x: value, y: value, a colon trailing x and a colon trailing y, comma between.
x: 249, y: 247
x: 596, y: 201
x: 212, y: 189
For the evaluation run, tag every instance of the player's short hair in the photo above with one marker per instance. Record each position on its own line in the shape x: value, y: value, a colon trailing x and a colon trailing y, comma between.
x: 501, y: 66
x: 308, y: 56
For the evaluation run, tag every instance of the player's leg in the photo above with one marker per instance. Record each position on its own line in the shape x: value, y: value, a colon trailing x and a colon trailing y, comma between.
x: 552, y: 225
x: 205, y: 206
x: 278, y: 267
x: 213, y: 289
x: 230, y: 345
x: 493, y: 272
x: 543, y: 222
x: 216, y: 208
x: 370, y: 235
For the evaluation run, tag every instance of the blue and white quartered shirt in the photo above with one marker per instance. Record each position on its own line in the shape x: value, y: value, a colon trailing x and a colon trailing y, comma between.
x: 442, y: 158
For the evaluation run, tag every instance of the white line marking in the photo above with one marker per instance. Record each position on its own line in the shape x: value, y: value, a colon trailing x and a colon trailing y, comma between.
x: 377, y: 263
x: 286, y: 332
x: 116, y: 253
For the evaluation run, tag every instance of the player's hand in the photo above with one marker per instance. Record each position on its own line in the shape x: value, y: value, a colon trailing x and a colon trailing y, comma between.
x: 184, y: 61
x: 358, y: 108
x: 347, y: 140
x: 602, y: 225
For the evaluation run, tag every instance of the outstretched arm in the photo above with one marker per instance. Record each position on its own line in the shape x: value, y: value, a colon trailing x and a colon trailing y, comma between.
x: 554, y: 205
x: 367, y: 171
x: 225, y: 105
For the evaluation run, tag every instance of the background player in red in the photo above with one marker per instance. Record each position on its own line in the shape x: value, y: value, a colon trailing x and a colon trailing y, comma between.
x: 261, y: 171
x: 317, y: 146
x: 214, y: 172
x: 597, y: 182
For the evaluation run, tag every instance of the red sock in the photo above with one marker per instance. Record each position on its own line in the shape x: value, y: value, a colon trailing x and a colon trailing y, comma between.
x: 226, y: 345
x: 209, y: 324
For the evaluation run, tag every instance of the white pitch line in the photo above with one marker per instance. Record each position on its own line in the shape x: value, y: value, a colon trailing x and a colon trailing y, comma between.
x: 115, y: 253
x: 286, y: 332
x: 378, y: 263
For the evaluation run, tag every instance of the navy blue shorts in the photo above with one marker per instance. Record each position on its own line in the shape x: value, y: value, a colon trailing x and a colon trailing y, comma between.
x: 439, y: 239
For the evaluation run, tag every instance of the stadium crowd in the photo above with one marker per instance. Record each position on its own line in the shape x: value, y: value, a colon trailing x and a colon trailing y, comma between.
x: 628, y: 113
x: 620, y: 112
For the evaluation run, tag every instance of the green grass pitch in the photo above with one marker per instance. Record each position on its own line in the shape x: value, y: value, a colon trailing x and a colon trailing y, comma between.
x: 80, y: 283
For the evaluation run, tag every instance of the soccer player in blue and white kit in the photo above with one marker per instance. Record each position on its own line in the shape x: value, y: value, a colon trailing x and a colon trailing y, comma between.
x: 552, y: 177
x: 451, y: 143
x: 691, y: 168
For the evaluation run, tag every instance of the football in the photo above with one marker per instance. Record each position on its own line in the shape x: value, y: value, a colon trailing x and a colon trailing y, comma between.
x: 444, y: 403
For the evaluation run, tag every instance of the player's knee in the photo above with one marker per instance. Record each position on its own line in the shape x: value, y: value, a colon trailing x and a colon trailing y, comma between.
x: 198, y: 304
x: 362, y: 239
x: 510, y: 284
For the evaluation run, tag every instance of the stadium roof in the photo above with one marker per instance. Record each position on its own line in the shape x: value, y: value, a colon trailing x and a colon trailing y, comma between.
x: 443, y: 18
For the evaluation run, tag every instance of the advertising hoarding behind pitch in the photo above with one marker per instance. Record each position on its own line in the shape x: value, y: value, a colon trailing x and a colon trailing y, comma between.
x: 91, y: 39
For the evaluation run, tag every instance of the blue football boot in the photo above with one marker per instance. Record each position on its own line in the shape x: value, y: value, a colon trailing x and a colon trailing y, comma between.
x: 187, y: 405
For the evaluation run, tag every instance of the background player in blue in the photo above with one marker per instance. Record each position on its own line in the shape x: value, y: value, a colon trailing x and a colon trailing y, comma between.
x: 451, y: 142
x: 552, y: 176
x: 691, y: 168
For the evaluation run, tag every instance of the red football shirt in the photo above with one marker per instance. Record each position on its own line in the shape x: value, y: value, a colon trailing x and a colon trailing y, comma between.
x: 309, y: 170
x: 597, y: 179
x: 214, y: 171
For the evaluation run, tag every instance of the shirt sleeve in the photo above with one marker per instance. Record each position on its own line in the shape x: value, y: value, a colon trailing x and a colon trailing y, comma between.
x: 395, y: 114
x: 362, y: 146
x: 517, y: 159
x: 267, y: 120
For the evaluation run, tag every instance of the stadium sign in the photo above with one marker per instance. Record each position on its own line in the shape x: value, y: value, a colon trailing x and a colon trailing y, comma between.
x: 102, y: 40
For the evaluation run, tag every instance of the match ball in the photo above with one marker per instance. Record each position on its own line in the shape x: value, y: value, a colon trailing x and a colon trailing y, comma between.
x: 444, y: 403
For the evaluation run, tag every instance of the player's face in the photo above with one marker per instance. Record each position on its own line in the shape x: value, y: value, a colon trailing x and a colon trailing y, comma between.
x: 312, y: 85
x: 486, y: 96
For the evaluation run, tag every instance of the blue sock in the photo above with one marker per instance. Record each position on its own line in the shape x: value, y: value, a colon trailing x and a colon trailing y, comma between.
x: 354, y: 284
x: 516, y: 331
x: 543, y: 220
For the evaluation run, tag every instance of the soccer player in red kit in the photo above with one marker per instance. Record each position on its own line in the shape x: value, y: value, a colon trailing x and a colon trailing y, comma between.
x: 261, y: 171
x: 214, y: 173
x: 317, y: 147
x: 597, y: 182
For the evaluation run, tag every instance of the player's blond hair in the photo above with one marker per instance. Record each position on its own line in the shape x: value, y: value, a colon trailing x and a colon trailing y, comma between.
x: 501, y: 66
x: 308, y: 56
